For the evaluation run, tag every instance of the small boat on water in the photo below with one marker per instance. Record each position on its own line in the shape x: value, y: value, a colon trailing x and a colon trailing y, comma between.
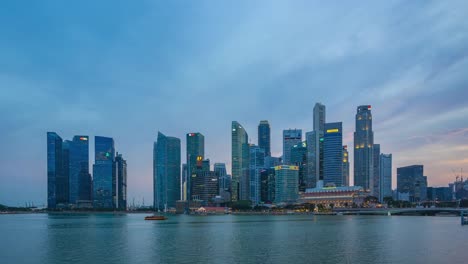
x: 155, y: 217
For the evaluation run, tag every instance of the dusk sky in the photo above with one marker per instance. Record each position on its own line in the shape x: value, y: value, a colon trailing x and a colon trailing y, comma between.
x: 128, y: 69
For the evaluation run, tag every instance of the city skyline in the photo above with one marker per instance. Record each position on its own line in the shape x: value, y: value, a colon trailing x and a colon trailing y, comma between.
x: 154, y: 81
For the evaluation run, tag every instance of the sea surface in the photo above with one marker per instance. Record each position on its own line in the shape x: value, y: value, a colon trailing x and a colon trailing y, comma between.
x: 286, y: 239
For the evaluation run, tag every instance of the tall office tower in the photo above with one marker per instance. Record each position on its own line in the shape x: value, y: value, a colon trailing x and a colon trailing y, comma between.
x: 315, y: 146
x: 363, y: 148
x: 64, y: 184
x: 257, y: 164
x: 195, y: 149
x: 346, y: 166
x: 220, y: 169
x: 240, y: 162
x: 264, y: 137
x: 166, y: 172
x: 299, y: 158
x: 375, y: 190
x: 286, y: 184
x: 205, y: 186
x: 183, y: 182
x: 54, y: 168
x: 291, y: 137
x: 80, y: 184
x: 206, y: 165
x: 411, y: 181
x: 121, y: 167
x: 385, y: 176
x: 319, y: 117
x: 311, y: 175
x: 333, y: 154
x: 104, y: 173
x: 267, y: 185
x: 272, y: 161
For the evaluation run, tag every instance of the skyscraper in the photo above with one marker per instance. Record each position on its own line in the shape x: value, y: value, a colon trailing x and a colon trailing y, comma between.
x: 363, y: 148
x: 121, y: 167
x: 195, y: 149
x: 264, y: 136
x: 54, y: 168
x: 375, y: 191
x: 315, y: 147
x: 311, y: 176
x: 346, y: 166
x: 299, y: 159
x: 286, y: 184
x: 205, y: 186
x: 166, y: 172
x: 333, y: 154
x: 411, y: 180
x: 257, y: 164
x: 80, y: 180
x: 223, y: 178
x: 385, y: 176
x: 104, y: 180
x: 291, y: 137
x: 64, y: 185
x: 240, y: 162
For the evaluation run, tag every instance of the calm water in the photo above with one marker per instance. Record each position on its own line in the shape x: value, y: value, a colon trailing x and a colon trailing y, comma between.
x: 108, y: 238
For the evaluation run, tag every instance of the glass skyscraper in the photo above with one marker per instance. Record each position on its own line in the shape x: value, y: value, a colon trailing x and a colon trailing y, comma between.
x: 411, y: 180
x: 346, y: 166
x: 376, y: 170
x: 54, y: 168
x: 264, y: 137
x: 299, y: 158
x: 333, y: 154
x: 121, y: 174
x: 385, y: 176
x: 240, y: 162
x: 315, y: 147
x: 195, y: 150
x: 291, y: 137
x: 80, y: 179
x: 286, y: 184
x: 363, y: 148
x: 257, y: 164
x: 104, y: 180
x: 166, y: 172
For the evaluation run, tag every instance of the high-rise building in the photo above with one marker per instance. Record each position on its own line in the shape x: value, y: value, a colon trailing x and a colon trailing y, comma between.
x: 375, y: 191
x: 286, y: 184
x: 205, y: 186
x: 195, y: 150
x: 315, y: 147
x: 206, y: 164
x: 80, y: 183
x: 267, y: 185
x: 240, y: 163
x: 223, y: 178
x: 385, y: 176
x: 333, y: 154
x: 299, y: 158
x: 166, y: 172
x: 363, y: 149
x: 264, y: 136
x: 311, y: 175
x: 54, y: 168
x: 257, y: 164
x: 272, y: 161
x: 291, y: 137
x: 346, y: 166
x: 104, y: 180
x: 121, y: 167
x: 411, y: 181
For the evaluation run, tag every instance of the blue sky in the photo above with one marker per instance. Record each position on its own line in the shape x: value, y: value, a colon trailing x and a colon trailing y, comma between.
x: 128, y: 69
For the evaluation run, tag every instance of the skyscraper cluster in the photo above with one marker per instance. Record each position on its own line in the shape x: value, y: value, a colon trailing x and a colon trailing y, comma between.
x: 69, y: 182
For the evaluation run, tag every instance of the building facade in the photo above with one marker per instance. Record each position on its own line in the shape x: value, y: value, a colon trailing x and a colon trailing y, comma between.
x: 267, y: 185
x: 375, y: 191
x: 166, y: 172
x: 411, y: 181
x: 363, y: 148
x: 205, y: 186
x: 291, y: 137
x: 195, y: 149
x: 256, y: 165
x: 80, y: 183
x: 385, y: 176
x: 240, y: 162
x: 104, y: 178
x: 286, y: 184
x: 333, y: 154
x: 121, y: 174
x: 299, y: 158
x: 264, y: 135
x: 54, y: 169
x: 345, y: 166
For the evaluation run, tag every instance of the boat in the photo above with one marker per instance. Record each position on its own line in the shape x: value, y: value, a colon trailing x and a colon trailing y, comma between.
x: 155, y: 217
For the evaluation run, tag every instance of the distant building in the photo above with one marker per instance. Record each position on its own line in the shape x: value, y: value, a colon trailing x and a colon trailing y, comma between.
x: 205, y: 186
x: 411, y: 180
x: 363, y: 149
x: 333, y: 154
x: 267, y: 185
x: 195, y: 150
x: 104, y: 177
x: 299, y: 158
x: 312, y: 161
x: 223, y: 178
x: 385, y: 176
x: 441, y: 194
x: 80, y: 183
x: 286, y: 184
x: 264, y: 137
x: 121, y: 173
x: 166, y: 172
x: 257, y: 164
x: 240, y: 163
x: 375, y: 191
x: 272, y: 161
x: 319, y: 130
x: 346, y: 166
x: 54, y: 168
x: 291, y: 137
x: 335, y: 197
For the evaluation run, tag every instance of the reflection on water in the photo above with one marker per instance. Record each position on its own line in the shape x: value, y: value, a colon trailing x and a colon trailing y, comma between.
x: 108, y: 238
